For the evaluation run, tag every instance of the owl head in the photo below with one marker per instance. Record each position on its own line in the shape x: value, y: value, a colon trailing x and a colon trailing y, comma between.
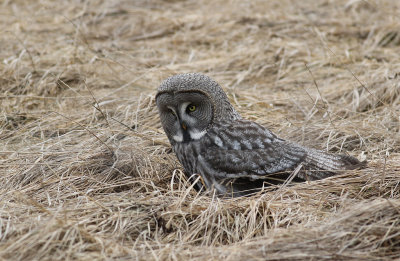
x: 188, y: 104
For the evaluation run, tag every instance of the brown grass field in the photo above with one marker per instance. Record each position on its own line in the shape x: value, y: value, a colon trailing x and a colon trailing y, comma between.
x: 87, y: 173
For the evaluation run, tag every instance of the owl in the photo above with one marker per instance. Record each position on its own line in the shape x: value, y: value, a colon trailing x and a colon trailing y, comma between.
x: 233, y: 156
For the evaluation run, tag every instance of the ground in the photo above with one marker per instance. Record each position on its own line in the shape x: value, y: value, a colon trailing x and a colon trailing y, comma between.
x: 87, y: 173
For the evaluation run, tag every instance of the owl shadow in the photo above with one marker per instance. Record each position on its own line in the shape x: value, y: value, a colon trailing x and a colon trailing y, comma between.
x: 245, y: 187
x: 248, y: 187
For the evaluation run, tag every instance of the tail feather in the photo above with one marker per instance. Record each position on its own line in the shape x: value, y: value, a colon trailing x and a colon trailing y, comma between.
x: 319, y: 164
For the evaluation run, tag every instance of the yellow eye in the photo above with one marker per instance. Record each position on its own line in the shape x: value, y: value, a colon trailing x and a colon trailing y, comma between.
x: 192, y: 108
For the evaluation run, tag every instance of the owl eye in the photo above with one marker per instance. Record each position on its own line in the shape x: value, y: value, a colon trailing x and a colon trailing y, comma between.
x: 172, y: 112
x: 191, y: 108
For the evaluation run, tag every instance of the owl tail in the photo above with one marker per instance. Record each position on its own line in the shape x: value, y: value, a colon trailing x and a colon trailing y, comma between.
x: 319, y: 164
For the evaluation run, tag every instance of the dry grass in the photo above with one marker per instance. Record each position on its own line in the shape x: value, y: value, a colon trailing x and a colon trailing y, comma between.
x: 86, y: 171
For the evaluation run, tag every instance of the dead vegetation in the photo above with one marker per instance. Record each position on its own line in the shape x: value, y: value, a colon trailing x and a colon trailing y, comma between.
x: 87, y: 173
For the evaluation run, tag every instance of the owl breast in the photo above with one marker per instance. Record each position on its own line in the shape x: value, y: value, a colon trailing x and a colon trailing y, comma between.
x: 192, y: 157
x: 188, y: 155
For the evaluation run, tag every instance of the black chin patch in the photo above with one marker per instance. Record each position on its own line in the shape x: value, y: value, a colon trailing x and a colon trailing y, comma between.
x: 186, y: 136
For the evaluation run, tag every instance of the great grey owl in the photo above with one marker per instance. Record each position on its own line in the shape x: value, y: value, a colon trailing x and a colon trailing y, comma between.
x: 232, y: 155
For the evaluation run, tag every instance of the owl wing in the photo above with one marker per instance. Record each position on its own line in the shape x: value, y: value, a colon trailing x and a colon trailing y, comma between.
x: 247, y: 149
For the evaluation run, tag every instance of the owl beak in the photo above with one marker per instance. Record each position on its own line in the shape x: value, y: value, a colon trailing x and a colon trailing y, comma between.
x: 184, y: 126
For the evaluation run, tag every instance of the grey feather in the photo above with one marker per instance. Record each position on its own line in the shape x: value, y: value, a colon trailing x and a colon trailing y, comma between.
x: 232, y: 155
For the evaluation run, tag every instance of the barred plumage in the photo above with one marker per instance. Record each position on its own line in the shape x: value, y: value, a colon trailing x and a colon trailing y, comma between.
x: 233, y: 156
